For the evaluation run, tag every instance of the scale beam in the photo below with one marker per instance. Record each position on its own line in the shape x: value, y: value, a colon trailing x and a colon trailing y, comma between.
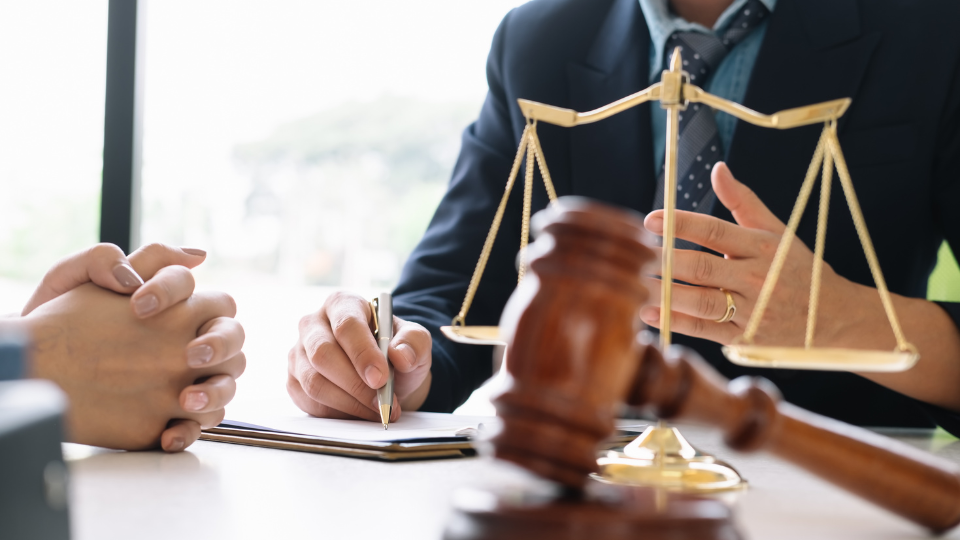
x: 787, y: 119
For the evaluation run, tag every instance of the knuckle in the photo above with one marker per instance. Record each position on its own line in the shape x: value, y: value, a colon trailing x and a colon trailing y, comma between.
x: 293, y: 384
x: 418, y: 330
x: 154, y: 248
x: 358, y: 410
x: 241, y: 360
x: 238, y: 330
x: 343, y: 325
x: 707, y: 304
x: 105, y: 250
x: 715, y: 232
x: 229, y: 303
x: 704, y: 268
x: 357, y: 388
x: 306, y: 321
x: 292, y: 358
x: 335, y: 298
x: 699, y: 325
x: 313, y: 384
x: 323, y: 353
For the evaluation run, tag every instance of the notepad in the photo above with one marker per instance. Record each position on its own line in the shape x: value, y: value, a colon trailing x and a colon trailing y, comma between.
x: 416, y: 435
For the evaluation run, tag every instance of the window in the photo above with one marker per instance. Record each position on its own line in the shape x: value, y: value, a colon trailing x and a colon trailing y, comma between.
x: 305, y: 145
x: 53, y: 73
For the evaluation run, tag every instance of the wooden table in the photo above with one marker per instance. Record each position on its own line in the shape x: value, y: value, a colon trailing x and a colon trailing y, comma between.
x: 227, y: 491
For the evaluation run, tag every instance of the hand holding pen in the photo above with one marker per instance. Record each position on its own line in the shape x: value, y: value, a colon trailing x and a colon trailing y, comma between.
x: 337, y: 366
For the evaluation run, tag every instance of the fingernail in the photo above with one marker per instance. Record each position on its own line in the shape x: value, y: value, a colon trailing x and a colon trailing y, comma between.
x: 176, y: 445
x: 146, y: 305
x: 407, y: 353
x: 373, y: 375
x: 196, y: 401
x: 126, y: 276
x: 199, y: 355
x: 194, y: 251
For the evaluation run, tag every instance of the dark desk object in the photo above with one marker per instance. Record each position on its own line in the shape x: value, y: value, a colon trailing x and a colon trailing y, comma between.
x: 33, y: 477
x: 573, y: 356
x: 12, y: 356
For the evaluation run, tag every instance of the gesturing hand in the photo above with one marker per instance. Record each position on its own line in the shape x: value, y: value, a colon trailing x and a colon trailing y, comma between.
x: 748, y: 248
x: 335, y: 367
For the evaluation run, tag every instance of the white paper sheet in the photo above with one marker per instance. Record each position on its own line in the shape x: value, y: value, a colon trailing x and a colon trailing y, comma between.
x: 411, y: 425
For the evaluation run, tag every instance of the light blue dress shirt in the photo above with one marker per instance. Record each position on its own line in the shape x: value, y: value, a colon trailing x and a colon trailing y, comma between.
x: 730, y: 79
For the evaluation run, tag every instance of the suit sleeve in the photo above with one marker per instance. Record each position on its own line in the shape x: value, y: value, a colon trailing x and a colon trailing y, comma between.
x: 434, y: 280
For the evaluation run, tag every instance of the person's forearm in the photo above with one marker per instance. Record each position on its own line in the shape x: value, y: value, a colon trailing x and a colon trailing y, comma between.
x: 935, y: 378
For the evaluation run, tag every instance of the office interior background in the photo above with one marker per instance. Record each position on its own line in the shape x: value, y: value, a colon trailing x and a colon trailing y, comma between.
x: 303, y: 143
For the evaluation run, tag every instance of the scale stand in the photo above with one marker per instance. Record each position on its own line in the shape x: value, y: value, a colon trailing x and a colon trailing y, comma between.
x: 661, y: 457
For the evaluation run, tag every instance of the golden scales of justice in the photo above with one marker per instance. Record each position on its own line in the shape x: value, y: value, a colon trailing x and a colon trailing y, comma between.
x: 661, y: 457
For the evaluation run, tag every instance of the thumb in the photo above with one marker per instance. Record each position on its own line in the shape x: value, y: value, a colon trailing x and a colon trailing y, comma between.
x: 743, y: 203
x: 410, y: 348
x: 103, y: 264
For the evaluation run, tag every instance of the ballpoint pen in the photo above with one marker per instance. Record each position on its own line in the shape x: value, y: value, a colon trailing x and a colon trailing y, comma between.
x: 384, y: 335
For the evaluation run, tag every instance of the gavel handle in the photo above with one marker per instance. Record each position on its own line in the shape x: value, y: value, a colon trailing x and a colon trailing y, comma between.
x: 892, y: 475
x: 904, y: 480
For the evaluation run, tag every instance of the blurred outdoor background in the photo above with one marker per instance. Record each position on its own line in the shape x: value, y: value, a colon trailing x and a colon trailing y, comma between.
x: 303, y: 144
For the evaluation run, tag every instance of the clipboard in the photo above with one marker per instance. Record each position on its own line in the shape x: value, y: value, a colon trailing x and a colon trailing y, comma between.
x: 460, y: 446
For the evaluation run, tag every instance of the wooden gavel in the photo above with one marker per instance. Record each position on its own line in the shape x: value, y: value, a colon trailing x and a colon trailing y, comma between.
x: 574, y: 356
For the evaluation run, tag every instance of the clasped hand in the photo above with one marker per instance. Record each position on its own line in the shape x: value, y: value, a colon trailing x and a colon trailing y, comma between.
x: 138, y: 371
x: 748, y: 248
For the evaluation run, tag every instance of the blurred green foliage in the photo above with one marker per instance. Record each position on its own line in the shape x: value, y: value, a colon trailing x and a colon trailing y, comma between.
x: 40, y: 226
x: 944, y: 284
x: 356, y: 185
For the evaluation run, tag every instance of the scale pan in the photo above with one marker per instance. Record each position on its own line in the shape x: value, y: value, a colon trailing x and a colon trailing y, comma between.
x: 825, y: 359
x: 473, y: 335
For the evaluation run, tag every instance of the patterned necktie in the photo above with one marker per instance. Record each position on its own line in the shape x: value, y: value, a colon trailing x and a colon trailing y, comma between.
x: 700, y: 146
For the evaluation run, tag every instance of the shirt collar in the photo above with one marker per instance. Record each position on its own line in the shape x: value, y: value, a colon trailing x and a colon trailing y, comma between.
x: 662, y: 23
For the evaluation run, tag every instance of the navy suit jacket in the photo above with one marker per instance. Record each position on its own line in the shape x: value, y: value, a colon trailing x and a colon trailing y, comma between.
x: 900, y: 62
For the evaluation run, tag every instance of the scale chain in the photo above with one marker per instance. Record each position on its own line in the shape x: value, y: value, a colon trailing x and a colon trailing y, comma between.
x: 527, y: 203
x: 461, y: 317
x: 542, y: 163
x: 858, y: 221
x: 817, y: 272
x: 781, y: 255
x: 529, y: 144
x: 830, y: 155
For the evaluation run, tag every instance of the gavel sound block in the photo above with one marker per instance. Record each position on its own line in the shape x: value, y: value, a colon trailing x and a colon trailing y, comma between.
x: 574, y: 356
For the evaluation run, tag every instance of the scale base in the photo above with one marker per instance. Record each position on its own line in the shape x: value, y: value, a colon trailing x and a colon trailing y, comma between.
x: 601, y: 512
x: 662, y: 458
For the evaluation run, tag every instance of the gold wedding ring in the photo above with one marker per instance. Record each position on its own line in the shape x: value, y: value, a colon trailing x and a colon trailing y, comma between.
x: 731, y: 308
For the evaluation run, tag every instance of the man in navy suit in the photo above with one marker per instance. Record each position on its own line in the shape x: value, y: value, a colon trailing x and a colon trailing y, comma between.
x: 899, y: 62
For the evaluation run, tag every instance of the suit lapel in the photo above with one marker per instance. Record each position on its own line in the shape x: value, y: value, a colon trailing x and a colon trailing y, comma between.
x: 612, y: 160
x: 813, y: 51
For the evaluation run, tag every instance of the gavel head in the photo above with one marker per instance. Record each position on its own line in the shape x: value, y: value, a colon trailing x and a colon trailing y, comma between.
x: 571, y: 329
